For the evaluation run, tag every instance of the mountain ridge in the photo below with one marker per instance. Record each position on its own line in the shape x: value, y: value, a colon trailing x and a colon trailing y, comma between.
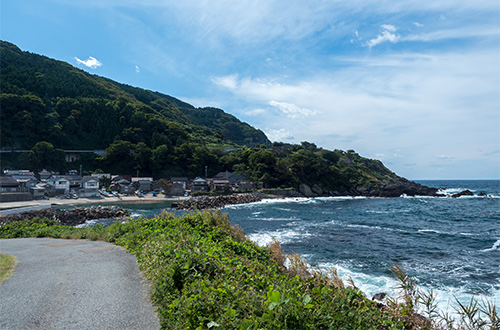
x: 49, y: 105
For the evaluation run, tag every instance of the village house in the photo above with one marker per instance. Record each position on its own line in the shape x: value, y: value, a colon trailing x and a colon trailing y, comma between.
x: 89, y: 187
x: 39, y: 191
x: 26, y: 182
x: 44, y: 174
x: 142, y: 183
x: 199, y: 184
x: 10, y: 190
x: 74, y: 182
x: 8, y: 184
x: 219, y: 184
x: 122, y: 186
x: 60, y: 186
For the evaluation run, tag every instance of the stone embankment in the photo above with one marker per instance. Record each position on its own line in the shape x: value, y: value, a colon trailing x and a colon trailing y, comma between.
x: 217, y: 202
x: 69, y: 217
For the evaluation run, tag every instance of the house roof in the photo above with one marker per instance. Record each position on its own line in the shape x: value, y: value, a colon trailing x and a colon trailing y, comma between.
x: 199, y: 180
x: 142, y: 179
x: 8, y: 181
x: 88, y: 178
x: 55, y: 178
x: 24, y: 178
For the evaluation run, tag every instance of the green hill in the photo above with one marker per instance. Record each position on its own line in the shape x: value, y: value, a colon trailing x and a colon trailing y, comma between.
x: 49, y: 105
x: 76, y: 110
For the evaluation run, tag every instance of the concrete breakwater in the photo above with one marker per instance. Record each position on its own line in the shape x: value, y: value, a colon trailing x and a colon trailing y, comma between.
x: 69, y: 217
x: 217, y: 202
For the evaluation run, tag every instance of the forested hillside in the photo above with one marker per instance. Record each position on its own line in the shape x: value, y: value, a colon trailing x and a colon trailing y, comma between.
x: 49, y: 105
x: 75, y: 110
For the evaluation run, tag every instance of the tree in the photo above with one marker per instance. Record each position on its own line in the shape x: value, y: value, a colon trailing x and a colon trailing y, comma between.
x: 44, y: 155
x: 118, y: 157
x: 142, y: 157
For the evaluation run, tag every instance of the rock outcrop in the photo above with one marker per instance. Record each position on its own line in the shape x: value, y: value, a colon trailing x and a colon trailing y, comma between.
x: 217, y: 202
x: 69, y: 217
x: 396, y: 188
x: 463, y: 193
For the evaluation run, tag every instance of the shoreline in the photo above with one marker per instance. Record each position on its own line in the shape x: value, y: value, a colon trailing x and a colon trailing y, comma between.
x: 90, y: 200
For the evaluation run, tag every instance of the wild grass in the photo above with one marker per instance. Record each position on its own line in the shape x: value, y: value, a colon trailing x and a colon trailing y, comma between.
x: 7, y: 264
x: 206, y: 274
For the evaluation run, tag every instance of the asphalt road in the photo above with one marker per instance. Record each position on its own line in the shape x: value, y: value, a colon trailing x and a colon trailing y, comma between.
x: 73, y: 284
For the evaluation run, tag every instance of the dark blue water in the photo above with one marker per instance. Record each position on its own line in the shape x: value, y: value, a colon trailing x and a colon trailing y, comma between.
x: 450, y: 245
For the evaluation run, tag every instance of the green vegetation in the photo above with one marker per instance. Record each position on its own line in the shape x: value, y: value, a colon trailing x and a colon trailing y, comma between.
x: 7, y: 264
x: 49, y: 106
x: 205, y: 274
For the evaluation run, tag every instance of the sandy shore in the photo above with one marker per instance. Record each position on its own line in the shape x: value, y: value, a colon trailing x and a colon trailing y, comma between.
x: 93, y: 200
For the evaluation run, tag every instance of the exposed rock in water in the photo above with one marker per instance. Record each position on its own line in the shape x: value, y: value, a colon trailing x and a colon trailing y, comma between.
x: 69, y: 217
x: 463, y: 193
x: 216, y: 202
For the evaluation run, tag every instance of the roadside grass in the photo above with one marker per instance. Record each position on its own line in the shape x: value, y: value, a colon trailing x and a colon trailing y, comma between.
x: 7, y: 264
x: 206, y: 274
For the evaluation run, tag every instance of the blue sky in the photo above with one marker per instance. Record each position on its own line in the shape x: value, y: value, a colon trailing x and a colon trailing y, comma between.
x: 413, y: 83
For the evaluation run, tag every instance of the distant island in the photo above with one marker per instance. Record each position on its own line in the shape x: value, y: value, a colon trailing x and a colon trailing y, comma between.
x: 50, y: 108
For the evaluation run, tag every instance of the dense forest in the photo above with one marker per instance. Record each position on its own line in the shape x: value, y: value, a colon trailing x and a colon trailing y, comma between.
x: 48, y: 106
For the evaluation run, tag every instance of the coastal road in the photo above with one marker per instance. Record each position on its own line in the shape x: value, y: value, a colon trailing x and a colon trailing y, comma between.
x: 73, y: 284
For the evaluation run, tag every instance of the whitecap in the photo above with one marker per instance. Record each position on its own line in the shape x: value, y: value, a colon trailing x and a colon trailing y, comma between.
x: 282, y: 236
x: 429, y: 231
x: 496, y: 246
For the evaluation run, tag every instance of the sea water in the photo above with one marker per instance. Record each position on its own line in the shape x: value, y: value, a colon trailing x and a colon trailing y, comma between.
x: 451, y: 245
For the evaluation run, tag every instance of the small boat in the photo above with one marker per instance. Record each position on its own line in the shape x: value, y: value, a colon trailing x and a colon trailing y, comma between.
x: 105, y: 193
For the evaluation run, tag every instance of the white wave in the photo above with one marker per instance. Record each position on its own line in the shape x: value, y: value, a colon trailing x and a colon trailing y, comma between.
x: 451, y: 191
x: 429, y: 231
x: 496, y: 246
x: 276, y: 219
x: 286, y: 209
x: 88, y: 223
x: 283, y: 236
x: 370, y: 227
x: 445, y: 297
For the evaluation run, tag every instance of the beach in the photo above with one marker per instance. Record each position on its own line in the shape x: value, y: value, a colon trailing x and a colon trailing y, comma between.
x: 45, y: 203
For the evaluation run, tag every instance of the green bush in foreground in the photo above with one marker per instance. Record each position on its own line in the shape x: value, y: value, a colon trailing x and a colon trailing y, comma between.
x: 205, y: 274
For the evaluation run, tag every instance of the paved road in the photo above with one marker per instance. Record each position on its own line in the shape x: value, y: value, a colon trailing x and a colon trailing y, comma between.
x: 73, y: 284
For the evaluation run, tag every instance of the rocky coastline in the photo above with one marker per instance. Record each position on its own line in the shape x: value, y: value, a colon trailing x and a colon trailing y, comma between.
x: 388, y: 189
x: 68, y: 217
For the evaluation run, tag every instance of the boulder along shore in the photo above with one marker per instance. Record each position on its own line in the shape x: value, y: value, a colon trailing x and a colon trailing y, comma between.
x: 69, y: 217
x: 217, y: 202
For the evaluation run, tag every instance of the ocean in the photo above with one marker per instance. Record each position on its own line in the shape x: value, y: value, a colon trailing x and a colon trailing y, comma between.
x: 451, y: 245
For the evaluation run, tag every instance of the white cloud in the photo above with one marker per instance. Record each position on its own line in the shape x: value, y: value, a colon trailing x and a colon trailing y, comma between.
x: 411, y: 102
x: 278, y: 135
x: 388, y: 27
x: 91, y: 62
x: 230, y: 82
x: 387, y: 34
x: 291, y: 110
x: 137, y: 69
x: 417, y: 24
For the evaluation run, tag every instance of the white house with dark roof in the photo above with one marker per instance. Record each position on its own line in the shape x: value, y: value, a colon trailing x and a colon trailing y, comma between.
x: 61, y: 185
x: 89, y: 187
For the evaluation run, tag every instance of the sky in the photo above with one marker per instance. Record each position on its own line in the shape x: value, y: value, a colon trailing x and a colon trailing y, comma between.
x: 415, y: 84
